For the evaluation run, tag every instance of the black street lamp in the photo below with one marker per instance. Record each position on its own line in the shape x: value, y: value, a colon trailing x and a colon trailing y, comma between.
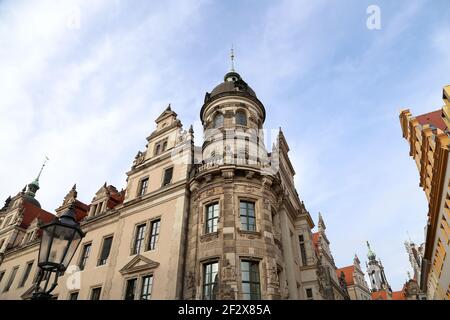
x: 60, y: 239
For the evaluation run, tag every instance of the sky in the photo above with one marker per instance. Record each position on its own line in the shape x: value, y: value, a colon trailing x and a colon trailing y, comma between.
x: 83, y: 81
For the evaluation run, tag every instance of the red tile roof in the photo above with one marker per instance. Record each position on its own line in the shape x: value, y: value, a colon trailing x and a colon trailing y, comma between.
x: 434, y: 118
x: 379, y: 295
x: 398, y: 295
x: 32, y: 212
x: 315, y: 239
x: 348, y: 273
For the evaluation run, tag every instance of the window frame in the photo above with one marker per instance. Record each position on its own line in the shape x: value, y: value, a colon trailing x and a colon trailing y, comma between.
x: 73, y: 293
x: 91, y: 295
x: 152, y: 245
x: 26, y: 273
x: 252, y: 283
x: 142, y: 189
x: 127, y: 283
x: 12, y: 277
x: 100, y: 260
x: 213, y: 203
x: 216, y: 125
x: 210, y: 281
x: 245, y: 118
x: 306, y: 294
x: 163, y: 183
x: 142, y: 278
x: 82, y: 258
x: 247, y: 224
x: 302, y: 245
x: 135, y: 238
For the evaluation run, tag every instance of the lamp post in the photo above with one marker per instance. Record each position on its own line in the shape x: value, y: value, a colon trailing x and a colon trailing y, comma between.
x: 59, y: 241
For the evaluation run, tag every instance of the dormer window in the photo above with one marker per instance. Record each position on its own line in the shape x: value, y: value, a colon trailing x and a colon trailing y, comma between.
x: 218, y: 120
x: 160, y: 147
x: 241, y: 118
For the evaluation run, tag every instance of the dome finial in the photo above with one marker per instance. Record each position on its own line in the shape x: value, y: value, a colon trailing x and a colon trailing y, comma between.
x: 232, y: 58
x: 370, y: 254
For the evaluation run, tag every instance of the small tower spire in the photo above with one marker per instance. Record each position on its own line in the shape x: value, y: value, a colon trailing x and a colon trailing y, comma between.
x: 40, y: 171
x: 232, y: 59
x: 34, y: 185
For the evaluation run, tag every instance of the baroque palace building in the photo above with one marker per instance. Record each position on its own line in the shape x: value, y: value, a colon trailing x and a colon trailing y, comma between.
x: 220, y: 221
x: 429, y: 142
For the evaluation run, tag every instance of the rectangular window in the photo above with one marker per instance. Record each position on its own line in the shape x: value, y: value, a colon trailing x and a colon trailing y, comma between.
x: 302, y: 249
x: 250, y: 280
x: 143, y: 188
x: 212, y: 217
x: 11, y: 279
x: 105, y: 251
x: 167, y: 176
x: 210, y: 280
x: 73, y: 296
x: 154, y: 234
x: 309, y: 294
x: 26, y: 273
x: 247, y: 213
x: 130, y: 289
x: 95, y: 294
x: 139, y: 238
x: 85, y: 255
x: 146, y: 290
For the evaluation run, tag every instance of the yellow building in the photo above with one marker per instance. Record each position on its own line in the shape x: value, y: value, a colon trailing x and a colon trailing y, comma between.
x: 429, y: 141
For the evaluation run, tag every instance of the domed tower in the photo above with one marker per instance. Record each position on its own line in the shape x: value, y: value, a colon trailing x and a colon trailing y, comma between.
x: 233, y: 118
x: 241, y: 225
x: 375, y: 270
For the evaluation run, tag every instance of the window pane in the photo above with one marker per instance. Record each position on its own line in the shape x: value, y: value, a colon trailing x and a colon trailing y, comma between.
x: 154, y: 234
x: 250, y: 280
x: 167, y: 176
x: 95, y: 294
x: 210, y: 280
x: 247, y: 213
x: 218, y: 120
x: 139, y: 239
x: 85, y: 256
x: 146, y: 291
x: 11, y: 279
x: 105, y: 250
x: 131, y: 287
x: 73, y: 296
x: 212, y: 217
x: 26, y: 274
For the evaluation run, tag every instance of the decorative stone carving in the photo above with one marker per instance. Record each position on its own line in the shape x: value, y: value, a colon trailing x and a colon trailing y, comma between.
x: 228, y: 175
x: 249, y: 174
x: 228, y: 272
x: 190, y: 282
x: 267, y: 182
x: 139, y: 158
x: 274, y: 281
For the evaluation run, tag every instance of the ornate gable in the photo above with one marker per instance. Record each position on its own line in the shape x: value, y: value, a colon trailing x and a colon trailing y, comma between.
x: 137, y: 264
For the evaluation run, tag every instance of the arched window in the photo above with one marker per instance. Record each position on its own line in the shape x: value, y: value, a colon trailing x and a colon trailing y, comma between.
x: 218, y: 120
x: 241, y: 118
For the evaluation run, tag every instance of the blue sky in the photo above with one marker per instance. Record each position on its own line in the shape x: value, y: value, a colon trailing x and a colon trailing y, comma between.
x: 87, y: 95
